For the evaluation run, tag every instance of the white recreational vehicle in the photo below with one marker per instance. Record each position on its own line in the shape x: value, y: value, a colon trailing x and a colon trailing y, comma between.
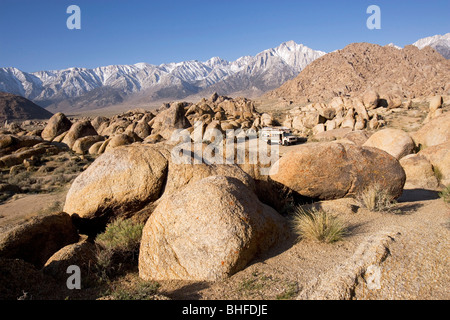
x: 279, y: 135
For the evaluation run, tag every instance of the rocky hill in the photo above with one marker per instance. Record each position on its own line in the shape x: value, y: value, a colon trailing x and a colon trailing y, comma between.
x: 405, y: 73
x: 13, y: 107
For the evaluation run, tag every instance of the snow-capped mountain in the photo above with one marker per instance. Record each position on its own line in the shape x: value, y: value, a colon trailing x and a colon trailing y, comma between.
x: 441, y: 43
x: 87, y: 87
x: 394, y: 46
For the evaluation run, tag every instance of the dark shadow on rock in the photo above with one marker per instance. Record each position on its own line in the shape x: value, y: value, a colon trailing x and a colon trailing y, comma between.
x: 411, y: 195
x: 89, y: 227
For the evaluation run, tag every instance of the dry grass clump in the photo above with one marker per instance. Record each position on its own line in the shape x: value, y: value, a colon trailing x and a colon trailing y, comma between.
x: 318, y: 225
x: 377, y: 199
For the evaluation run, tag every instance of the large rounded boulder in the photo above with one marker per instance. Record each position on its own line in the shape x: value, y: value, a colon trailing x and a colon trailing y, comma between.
x: 434, y: 132
x: 207, y: 231
x: 439, y: 157
x: 57, y: 125
x: 419, y: 172
x: 332, y: 170
x: 119, y: 181
x: 396, y: 142
x: 78, y: 130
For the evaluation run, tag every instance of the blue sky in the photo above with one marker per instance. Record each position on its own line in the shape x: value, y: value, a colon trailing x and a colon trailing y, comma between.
x: 34, y: 36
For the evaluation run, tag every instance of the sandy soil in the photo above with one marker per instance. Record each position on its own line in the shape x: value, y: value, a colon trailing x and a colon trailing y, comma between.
x: 24, y: 206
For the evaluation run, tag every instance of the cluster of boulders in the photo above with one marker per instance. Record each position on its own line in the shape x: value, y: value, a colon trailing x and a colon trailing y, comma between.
x: 101, y: 133
x: 358, y: 113
x: 24, y: 149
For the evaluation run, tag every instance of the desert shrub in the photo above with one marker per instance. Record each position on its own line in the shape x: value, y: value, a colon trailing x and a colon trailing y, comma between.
x: 438, y: 174
x: 290, y: 291
x: 21, y: 178
x: 445, y: 194
x: 121, y: 236
x: 377, y: 199
x: 318, y: 225
x: 117, y: 246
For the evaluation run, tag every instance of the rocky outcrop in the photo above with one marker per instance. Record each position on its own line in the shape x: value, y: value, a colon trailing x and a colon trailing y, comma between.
x: 81, y: 254
x: 10, y: 143
x: 170, y: 120
x: 390, y: 72
x: 434, y: 132
x: 82, y: 145
x: 78, y: 130
x: 439, y: 157
x: 419, y: 172
x: 17, y: 108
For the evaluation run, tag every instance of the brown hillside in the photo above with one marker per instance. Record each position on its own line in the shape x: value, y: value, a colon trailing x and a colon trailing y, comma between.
x: 13, y: 108
x: 409, y: 72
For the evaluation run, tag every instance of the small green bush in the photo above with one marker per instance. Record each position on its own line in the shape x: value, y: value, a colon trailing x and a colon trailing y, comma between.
x: 121, y: 236
x: 438, y: 174
x: 318, y: 225
x: 445, y: 194
x: 117, y: 246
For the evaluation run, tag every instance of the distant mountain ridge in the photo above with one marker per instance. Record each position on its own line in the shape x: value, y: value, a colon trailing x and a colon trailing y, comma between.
x: 102, y: 86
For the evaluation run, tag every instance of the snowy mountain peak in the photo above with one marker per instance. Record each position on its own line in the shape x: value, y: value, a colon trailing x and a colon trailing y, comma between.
x: 394, y: 46
x: 216, y: 61
x: 429, y: 41
x: 166, y: 80
x: 441, y: 43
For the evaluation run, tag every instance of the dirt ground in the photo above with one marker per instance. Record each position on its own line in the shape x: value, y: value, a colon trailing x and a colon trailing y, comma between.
x: 24, y: 206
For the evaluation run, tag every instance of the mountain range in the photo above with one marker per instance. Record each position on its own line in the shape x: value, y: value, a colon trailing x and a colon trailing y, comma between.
x: 81, y: 89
